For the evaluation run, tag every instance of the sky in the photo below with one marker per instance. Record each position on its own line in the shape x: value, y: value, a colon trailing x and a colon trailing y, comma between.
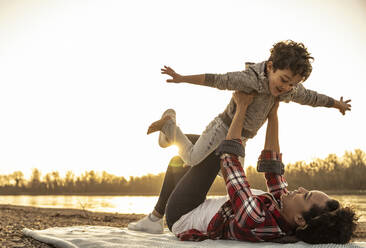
x: 80, y: 80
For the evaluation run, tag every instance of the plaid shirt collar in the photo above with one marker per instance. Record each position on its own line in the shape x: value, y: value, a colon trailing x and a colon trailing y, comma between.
x: 282, y: 223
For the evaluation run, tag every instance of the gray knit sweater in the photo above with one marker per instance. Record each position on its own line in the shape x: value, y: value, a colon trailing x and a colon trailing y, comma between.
x: 254, y: 79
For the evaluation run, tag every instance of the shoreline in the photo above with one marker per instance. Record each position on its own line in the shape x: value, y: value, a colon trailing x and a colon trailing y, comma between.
x: 14, y: 218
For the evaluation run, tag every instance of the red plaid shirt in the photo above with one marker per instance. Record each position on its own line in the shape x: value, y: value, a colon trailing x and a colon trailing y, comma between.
x: 246, y: 216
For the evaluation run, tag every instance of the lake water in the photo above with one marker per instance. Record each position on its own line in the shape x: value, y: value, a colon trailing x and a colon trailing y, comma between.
x: 131, y: 204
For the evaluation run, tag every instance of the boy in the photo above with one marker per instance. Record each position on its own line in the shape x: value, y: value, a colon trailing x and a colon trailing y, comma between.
x: 277, y: 79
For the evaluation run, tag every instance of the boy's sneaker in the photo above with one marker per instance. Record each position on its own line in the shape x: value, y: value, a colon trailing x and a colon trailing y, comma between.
x: 163, y: 140
x: 147, y: 225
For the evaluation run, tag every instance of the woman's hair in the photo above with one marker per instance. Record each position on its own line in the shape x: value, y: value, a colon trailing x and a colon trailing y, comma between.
x: 291, y: 55
x: 332, y: 224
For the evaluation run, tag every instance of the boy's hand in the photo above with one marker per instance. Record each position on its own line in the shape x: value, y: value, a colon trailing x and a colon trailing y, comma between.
x: 176, y: 78
x: 273, y: 111
x: 343, y: 106
x: 242, y: 99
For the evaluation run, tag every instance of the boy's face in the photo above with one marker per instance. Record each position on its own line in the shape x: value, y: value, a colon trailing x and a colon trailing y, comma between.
x: 301, y: 200
x: 281, y: 81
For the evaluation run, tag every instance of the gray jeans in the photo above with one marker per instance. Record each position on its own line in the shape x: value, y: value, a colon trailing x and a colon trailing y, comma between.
x: 210, y: 139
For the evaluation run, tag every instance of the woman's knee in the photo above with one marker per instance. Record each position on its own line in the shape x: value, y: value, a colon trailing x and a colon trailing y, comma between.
x: 195, y: 160
x: 199, y: 158
x: 176, y: 161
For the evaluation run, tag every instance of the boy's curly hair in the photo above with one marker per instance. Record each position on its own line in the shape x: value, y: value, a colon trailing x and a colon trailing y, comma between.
x: 332, y: 224
x: 291, y: 55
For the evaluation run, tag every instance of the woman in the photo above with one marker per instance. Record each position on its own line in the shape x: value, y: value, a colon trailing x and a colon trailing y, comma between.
x: 310, y: 216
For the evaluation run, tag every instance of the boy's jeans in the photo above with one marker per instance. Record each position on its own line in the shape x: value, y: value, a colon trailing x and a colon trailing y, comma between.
x: 210, y: 139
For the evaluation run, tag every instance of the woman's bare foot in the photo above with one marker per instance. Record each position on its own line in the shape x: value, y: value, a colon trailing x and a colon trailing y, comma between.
x: 158, y: 125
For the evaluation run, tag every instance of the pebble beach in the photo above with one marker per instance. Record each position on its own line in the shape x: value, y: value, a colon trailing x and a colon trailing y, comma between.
x: 14, y: 218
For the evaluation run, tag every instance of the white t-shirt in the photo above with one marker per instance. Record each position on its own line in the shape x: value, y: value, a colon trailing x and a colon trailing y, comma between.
x: 200, y: 217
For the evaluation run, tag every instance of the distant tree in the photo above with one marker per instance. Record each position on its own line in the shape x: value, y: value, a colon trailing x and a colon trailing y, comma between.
x: 69, y: 182
x: 47, y: 179
x: 35, y: 181
x: 92, y: 180
x: 18, y: 177
x: 57, y: 182
x: 5, y: 180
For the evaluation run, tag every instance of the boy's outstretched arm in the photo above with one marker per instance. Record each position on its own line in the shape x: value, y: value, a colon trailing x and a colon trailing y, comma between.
x: 177, y: 78
x: 245, y: 81
x: 312, y: 98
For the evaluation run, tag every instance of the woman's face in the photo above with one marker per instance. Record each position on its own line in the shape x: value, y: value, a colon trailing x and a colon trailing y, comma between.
x: 301, y: 200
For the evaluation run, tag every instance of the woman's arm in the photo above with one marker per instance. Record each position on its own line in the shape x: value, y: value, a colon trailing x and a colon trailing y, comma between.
x: 271, y: 159
x: 242, y: 101
x: 236, y: 182
x: 272, y: 141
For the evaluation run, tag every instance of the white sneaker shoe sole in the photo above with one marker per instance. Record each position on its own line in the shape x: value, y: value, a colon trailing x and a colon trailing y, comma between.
x: 163, y: 141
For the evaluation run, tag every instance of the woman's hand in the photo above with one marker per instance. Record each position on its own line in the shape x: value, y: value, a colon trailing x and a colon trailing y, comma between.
x: 176, y: 78
x: 242, y: 99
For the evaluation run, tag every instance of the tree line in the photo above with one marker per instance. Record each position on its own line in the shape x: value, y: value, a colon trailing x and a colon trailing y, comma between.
x: 346, y: 173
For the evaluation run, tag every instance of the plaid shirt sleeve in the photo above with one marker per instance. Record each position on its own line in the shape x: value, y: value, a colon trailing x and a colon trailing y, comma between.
x: 248, y: 209
x: 276, y: 184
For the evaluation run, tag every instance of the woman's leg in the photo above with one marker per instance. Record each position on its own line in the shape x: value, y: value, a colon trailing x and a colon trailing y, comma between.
x: 176, y: 170
x: 192, y: 189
